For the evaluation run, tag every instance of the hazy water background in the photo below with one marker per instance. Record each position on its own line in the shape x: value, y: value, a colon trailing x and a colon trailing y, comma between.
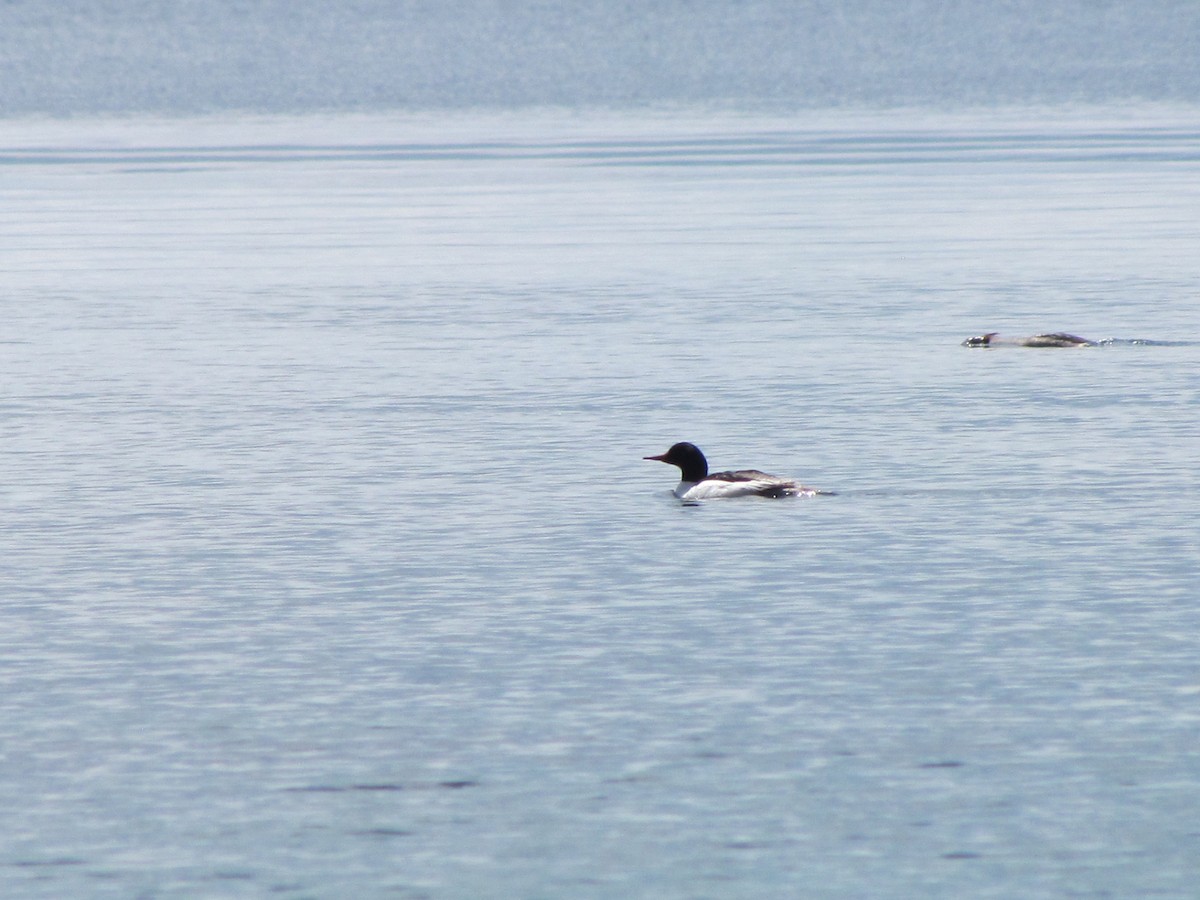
x: 329, y: 564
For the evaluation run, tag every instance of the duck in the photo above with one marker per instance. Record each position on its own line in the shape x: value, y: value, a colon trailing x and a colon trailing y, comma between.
x: 696, y: 483
x: 1056, y: 339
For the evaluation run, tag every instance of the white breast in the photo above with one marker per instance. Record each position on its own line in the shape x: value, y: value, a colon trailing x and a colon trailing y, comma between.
x: 719, y: 490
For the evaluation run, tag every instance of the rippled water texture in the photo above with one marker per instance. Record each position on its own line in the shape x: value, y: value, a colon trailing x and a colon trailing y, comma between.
x: 330, y: 564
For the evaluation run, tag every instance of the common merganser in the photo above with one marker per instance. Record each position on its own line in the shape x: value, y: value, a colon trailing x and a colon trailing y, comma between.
x: 698, y: 484
x: 1057, y: 339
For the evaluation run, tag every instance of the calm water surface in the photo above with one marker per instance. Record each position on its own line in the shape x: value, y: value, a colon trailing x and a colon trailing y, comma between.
x: 330, y: 564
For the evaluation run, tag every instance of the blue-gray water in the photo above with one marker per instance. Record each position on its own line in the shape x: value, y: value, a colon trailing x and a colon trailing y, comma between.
x: 331, y: 567
x: 88, y: 56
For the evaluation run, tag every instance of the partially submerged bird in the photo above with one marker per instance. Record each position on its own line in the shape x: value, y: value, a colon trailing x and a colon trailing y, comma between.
x: 1056, y: 339
x: 697, y: 484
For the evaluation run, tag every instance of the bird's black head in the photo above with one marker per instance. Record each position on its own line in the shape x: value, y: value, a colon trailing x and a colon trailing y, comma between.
x: 980, y: 341
x: 691, y: 462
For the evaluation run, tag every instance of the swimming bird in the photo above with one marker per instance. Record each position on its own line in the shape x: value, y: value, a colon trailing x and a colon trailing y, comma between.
x: 1057, y: 339
x: 697, y: 484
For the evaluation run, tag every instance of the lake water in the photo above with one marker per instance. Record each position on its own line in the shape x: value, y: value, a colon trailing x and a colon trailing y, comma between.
x: 331, y: 566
